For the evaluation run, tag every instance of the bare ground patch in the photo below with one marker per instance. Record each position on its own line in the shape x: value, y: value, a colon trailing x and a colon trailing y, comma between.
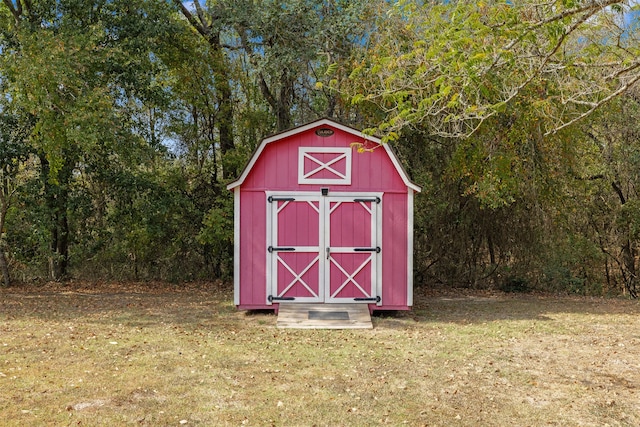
x: 166, y: 355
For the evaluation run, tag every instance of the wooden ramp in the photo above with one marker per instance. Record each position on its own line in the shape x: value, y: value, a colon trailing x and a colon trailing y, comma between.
x: 324, y: 316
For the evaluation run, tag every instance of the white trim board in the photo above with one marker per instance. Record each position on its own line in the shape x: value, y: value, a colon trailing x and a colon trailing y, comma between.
x: 324, y: 219
x: 410, y: 248
x: 236, y: 246
x: 308, y: 153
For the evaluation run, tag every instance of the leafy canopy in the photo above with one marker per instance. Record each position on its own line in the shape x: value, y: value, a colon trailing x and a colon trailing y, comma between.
x: 448, y: 66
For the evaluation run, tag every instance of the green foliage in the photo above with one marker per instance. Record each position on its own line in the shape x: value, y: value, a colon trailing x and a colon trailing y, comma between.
x: 629, y: 218
x: 569, y: 265
x: 14, y: 129
x: 515, y: 285
x: 121, y: 122
x: 86, y: 74
x: 449, y: 66
x: 217, y: 235
x: 27, y: 232
x: 218, y: 224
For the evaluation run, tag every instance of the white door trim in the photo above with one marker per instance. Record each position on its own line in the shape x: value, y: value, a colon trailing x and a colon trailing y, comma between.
x: 273, y: 260
x: 375, y: 258
x: 324, y: 212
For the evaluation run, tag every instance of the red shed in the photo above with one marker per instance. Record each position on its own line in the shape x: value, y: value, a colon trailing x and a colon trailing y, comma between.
x: 319, y: 220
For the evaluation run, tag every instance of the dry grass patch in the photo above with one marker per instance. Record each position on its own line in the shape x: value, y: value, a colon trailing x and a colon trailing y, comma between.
x: 169, y: 356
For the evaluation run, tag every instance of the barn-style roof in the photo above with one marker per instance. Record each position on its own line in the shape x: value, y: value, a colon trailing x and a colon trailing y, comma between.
x: 319, y: 123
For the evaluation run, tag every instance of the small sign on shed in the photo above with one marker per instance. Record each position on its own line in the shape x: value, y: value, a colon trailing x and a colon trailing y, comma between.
x: 317, y: 221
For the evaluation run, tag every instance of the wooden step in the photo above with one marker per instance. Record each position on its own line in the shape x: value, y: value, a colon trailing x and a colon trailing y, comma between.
x: 323, y: 316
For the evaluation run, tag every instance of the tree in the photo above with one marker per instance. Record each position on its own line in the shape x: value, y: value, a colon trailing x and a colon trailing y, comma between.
x: 14, y: 130
x: 614, y: 178
x: 449, y: 66
x: 80, y: 71
x: 55, y: 78
x: 296, y: 47
x: 209, y: 27
x: 284, y: 47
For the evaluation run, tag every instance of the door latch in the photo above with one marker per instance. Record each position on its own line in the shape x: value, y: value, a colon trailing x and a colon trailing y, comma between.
x: 376, y: 249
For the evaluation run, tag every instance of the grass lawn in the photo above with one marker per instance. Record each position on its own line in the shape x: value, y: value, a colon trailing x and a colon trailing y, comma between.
x: 161, y: 356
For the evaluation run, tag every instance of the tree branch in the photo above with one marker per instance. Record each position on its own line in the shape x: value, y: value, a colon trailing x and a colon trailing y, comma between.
x: 33, y: 17
x: 204, y: 32
x: 549, y: 55
x: 599, y: 104
x: 591, y: 177
x: 592, y: 6
x: 266, y: 92
x: 264, y: 87
x: 633, y: 66
x: 618, y: 191
x: 17, y: 13
x: 202, y: 17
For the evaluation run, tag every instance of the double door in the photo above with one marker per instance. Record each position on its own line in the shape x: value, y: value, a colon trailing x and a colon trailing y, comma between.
x: 324, y: 248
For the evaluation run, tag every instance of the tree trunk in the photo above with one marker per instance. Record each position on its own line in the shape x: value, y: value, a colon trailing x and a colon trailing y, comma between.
x: 492, y: 252
x: 629, y: 261
x: 280, y: 105
x: 225, y: 99
x: 4, y: 265
x: 284, y: 102
x: 628, y: 252
x: 56, y: 196
x: 60, y: 246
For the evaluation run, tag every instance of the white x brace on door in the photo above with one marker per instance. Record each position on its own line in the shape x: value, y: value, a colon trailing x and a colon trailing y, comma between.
x: 324, y: 248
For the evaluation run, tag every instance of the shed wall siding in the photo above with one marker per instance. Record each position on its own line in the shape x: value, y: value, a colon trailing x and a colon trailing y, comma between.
x: 253, y: 244
x: 394, y: 247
